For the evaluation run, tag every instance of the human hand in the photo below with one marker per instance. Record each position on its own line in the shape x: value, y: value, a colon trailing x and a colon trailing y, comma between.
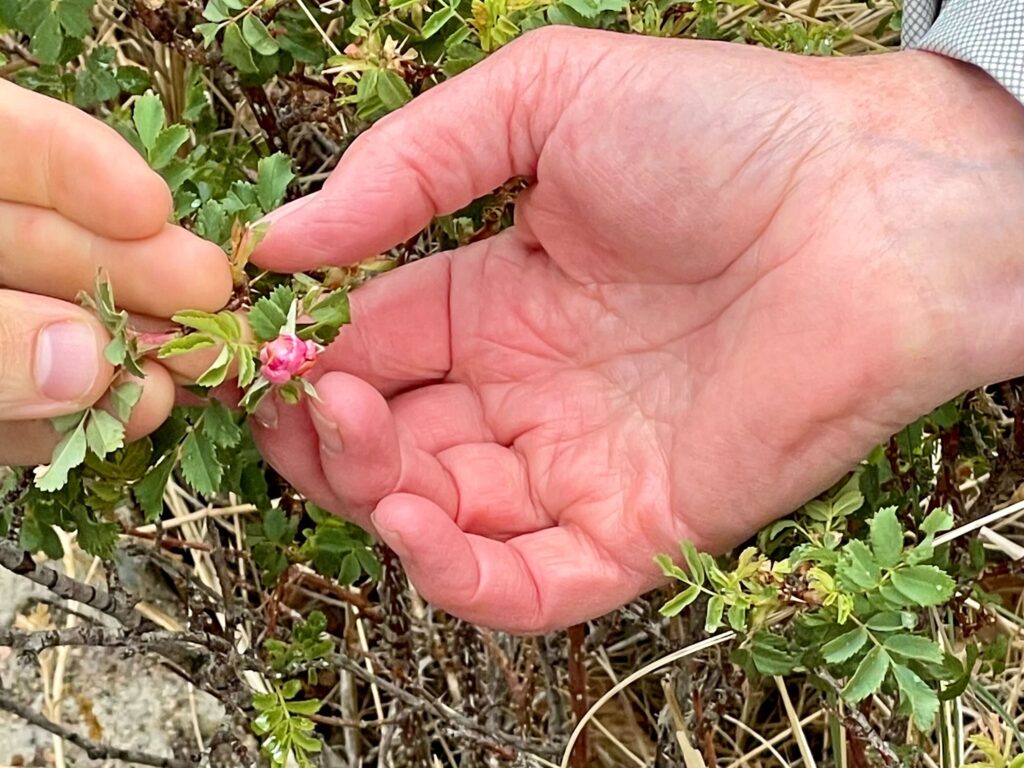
x: 736, y: 272
x: 75, y: 198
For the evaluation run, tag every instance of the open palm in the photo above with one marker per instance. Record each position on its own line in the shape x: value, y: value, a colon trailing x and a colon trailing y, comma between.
x: 711, y: 306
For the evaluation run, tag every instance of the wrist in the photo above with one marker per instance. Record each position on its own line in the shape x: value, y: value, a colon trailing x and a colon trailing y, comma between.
x: 951, y: 195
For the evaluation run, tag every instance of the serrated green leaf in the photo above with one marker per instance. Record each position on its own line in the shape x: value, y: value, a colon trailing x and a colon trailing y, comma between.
x: 215, y: 375
x: 123, y: 399
x: 186, y: 344
x: 167, y: 144
x: 69, y: 453
x: 436, y: 21
x: 330, y: 313
x: 273, y: 175
x: 771, y: 656
x: 149, y: 119
x: 848, y: 502
x: 47, y: 40
x: 37, y: 535
x: 858, y: 566
x: 276, y: 526
x: 256, y: 34
x: 219, y: 425
x: 246, y: 361
x: 716, y: 607
x: 268, y: 315
x: 216, y: 10
x: 116, y: 351
x: 869, y: 675
x: 291, y: 689
x: 237, y: 51
x: 886, y: 537
x: 133, y: 80
x: 264, y: 701
x: 844, y: 646
x: 923, y: 585
x: 103, y: 432
x: 924, y: 702
x: 200, y: 465
x: 938, y: 520
x: 670, y: 569
x: 887, y: 621
x: 680, y: 601
x: 693, y: 561
x: 74, y: 17
x: 209, y: 32
x: 96, y: 537
x: 392, y: 90
x: 223, y: 326
x: 306, y: 742
x: 737, y: 616
x: 149, y: 491
x: 304, y: 708
x: 30, y: 15
x: 68, y: 421
x: 914, y: 647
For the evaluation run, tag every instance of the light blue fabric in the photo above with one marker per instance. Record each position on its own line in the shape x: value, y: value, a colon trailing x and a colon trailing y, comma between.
x: 986, y: 33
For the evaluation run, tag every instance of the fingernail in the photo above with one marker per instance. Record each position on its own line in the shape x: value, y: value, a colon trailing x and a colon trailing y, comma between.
x: 330, y: 435
x: 67, y: 361
x: 266, y: 413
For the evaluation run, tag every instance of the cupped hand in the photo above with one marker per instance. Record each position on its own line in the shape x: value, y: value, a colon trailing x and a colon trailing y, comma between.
x: 75, y: 198
x: 735, y: 271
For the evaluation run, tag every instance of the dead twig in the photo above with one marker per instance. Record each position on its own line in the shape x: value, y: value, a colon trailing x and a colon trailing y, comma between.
x: 19, y: 562
x: 84, y: 635
x: 92, y: 749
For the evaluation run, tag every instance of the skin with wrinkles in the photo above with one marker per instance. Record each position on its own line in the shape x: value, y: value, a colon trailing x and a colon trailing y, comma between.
x: 735, y: 272
x: 76, y: 198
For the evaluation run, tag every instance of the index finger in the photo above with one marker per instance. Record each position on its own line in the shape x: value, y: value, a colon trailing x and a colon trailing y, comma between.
x: 65, y: 160
x: 421, y: 160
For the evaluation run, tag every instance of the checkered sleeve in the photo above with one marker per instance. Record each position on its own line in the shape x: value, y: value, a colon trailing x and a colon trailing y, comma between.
x: 987, y: 33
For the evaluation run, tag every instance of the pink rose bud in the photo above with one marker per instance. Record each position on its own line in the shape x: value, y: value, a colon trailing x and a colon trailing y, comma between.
x: 285, y: 357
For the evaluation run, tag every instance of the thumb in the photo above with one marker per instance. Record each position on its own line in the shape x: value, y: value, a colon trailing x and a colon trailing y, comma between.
x: 51, y: 357
x: 458, y: 141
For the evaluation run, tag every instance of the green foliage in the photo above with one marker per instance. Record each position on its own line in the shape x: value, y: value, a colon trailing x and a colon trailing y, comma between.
x: 284, y: 726
x: 308, y: 651
x: 283, y: 721
x: 336, y: 549
x: 860, y: 595
x: 993, y: 755
x: 95, y: 431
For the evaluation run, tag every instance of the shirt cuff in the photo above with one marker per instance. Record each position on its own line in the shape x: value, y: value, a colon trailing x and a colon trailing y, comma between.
x: 986, y: 33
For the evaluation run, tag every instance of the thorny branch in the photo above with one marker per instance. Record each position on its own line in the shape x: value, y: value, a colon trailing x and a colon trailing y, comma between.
x: 92, y: 749
x: 110, y: 637
x: 19, y: 562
